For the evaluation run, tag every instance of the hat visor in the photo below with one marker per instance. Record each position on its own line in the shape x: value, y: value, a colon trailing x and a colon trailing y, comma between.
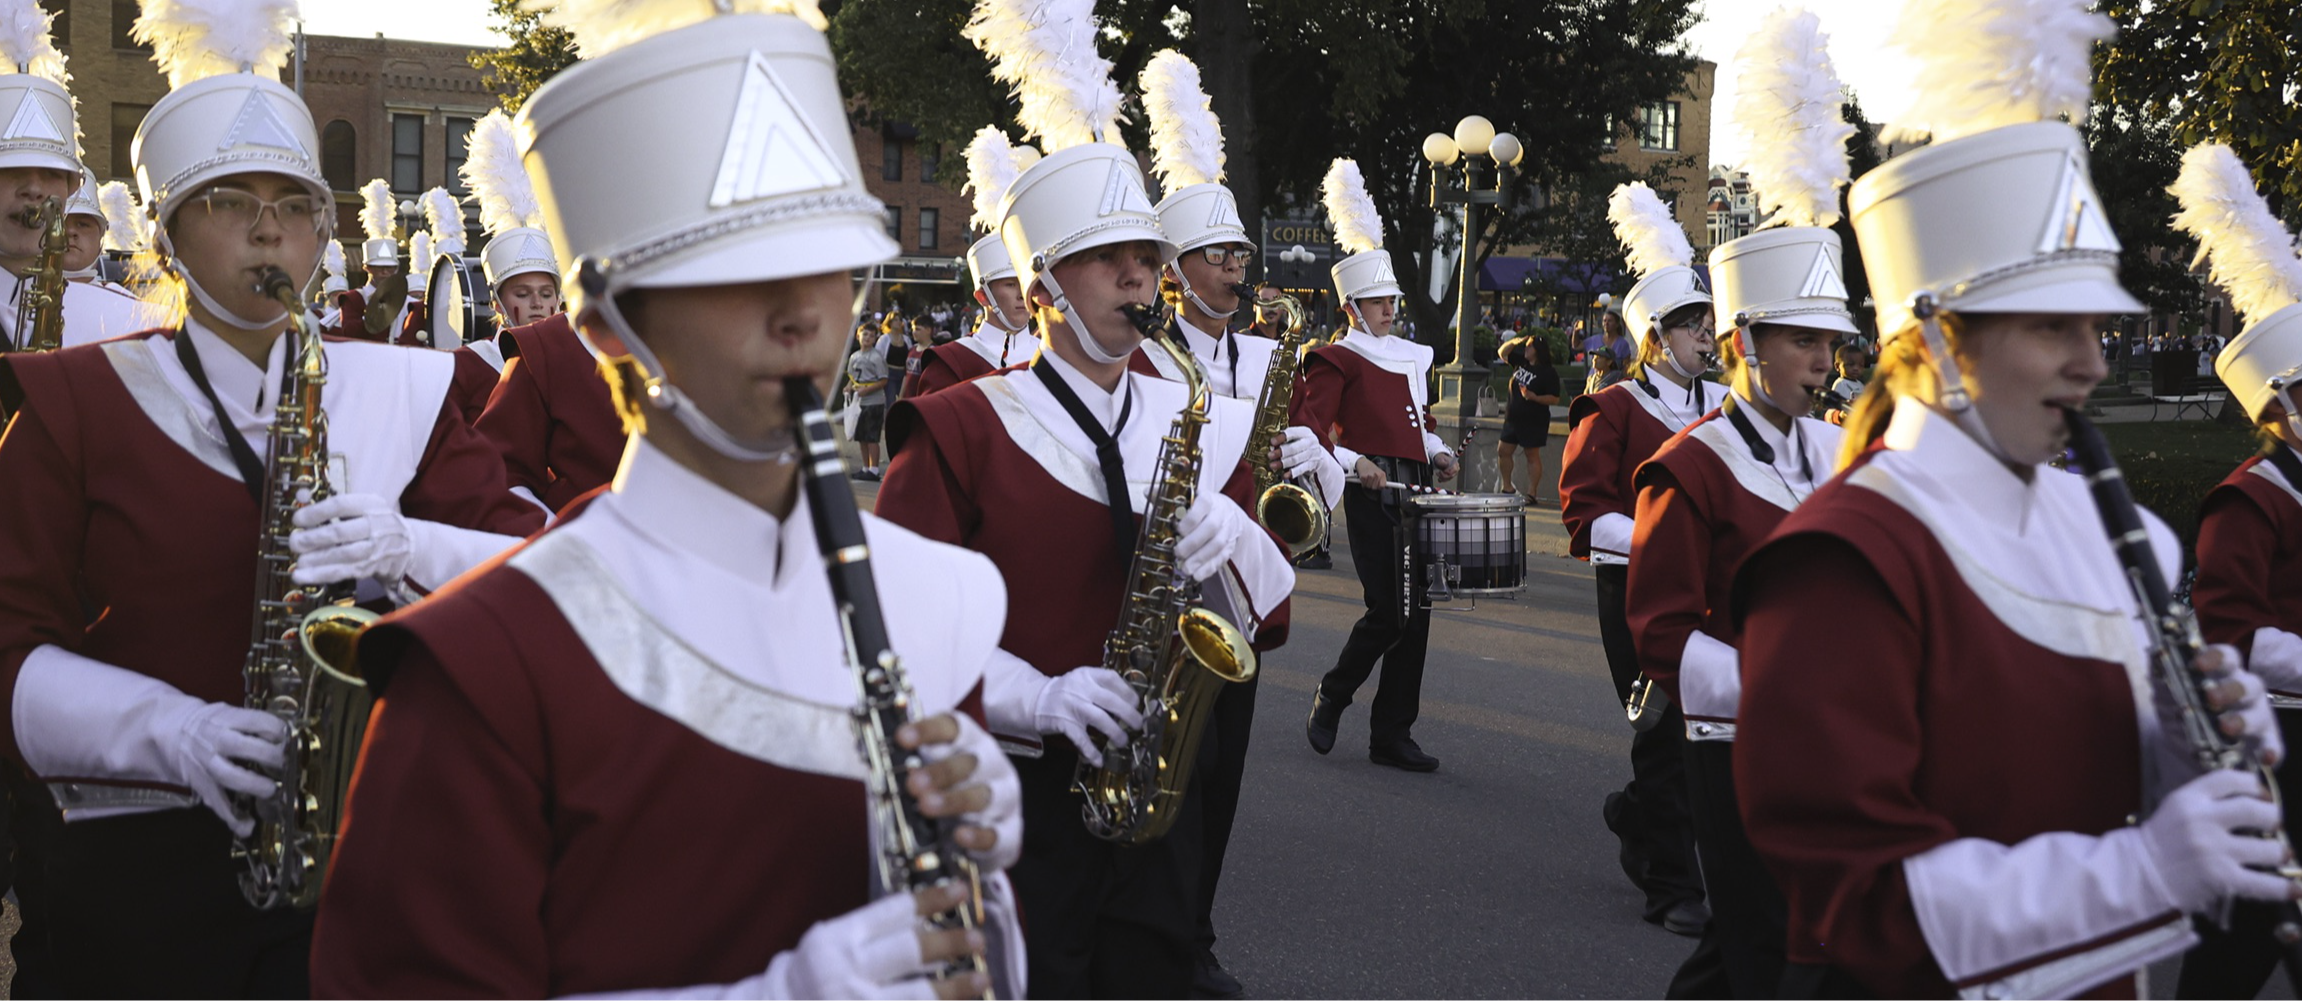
x: 530, y: 268
x: 772, y: 254
x: 35, y: 158
x: 1382, y: 291
x: 1216, y: 239
x: 1811, y: 321
x: 1122, y: 233
x: 2076, y: 294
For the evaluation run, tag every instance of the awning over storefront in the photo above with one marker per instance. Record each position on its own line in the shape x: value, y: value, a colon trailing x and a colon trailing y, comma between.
x: 1514, y: 274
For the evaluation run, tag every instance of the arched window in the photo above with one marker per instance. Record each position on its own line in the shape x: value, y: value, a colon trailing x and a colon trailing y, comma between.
x: 339, y: 155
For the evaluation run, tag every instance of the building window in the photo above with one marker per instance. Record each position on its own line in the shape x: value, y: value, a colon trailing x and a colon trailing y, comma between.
x: 61, y: 28
x: 340, y: 155
x: 895, y: 223
x: 125, y: 119
x: 891, y: 160
x: 928, y: 220
x: 1659, y: 126
x: 930, y: 158
x: 459, y: 147
x: 407, y: 153
x: 123, y: 18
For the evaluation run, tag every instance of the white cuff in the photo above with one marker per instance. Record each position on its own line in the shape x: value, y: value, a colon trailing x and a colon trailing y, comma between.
x: 1710, y: 679
x: 441, y: 553
x: 1434, y: 446
x: 1349, y: 460
x: 1611, y: 535
x: 2277, y: 658
x: 73, y: 718
x: 1329, y: 478
x: 529, y: 496
x: 1250, y: 587
x: 1011, y: 689
x: 2051, y: 917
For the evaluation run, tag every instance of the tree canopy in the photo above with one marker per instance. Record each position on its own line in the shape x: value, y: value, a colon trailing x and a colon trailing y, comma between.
x: 534, y: 54
x: 2227, y: 71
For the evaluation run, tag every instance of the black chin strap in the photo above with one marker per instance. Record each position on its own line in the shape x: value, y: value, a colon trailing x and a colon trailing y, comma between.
x: 1759, y: 449
x: 2289, y: 466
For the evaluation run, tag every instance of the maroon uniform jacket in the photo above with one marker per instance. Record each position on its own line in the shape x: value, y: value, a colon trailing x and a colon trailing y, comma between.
x: 551, y: 415
x: 475, y: 382
x: 1609, y: 434
x: 2249, y: 548
x: 1352, y: 402
x: 946, y: 365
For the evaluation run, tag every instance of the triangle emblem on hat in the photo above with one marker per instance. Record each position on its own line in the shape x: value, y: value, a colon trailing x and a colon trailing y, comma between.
x: 533, y: 248
x: 772, y: 149
x: 1822, y: 281
x: 1123, y: 193
x: 31, y: 121
x: 1225, y: 216
x: 259, y: 124
x: 2077, y: 221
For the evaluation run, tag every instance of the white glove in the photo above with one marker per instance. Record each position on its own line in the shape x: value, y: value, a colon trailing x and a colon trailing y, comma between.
x: 351, y: 536
x: 2261, y: 732
x: 1300, y: 453
x: 2192, y: 842
x: 1004, y: 814
x: 869, y: 952
x: 1210, y: 531
x: 2277, y: 659
x: 1090, y: 698
x: 82, y: 718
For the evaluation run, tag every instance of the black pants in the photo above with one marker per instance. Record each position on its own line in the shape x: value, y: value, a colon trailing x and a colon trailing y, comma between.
x: 1380, y: 634
x: 1741, y: 955
x: 1649, y: 814
x: 33, y: 824
x: 2236, y: 963
x: 149, y: 905
x: 1222, y: 769
x: 1103, y: 920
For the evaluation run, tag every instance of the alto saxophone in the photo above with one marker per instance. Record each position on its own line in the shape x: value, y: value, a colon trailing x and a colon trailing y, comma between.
x: 1171, y: 650
x: 40, y: 320
x: 1294, y: 514
x: 301, y: 665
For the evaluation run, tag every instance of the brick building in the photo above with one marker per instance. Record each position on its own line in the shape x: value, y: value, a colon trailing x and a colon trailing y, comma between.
x: 926, y: 214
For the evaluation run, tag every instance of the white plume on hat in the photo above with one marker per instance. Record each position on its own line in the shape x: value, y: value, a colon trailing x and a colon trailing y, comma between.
x: 1648, y: 231
x: 1983, y: 64
x: 1358, y: 227
x: 196, y: 39
x: 603, y: 26
x: 419, y: 256
x: 499, y: 181
x: 2251, y: 253
x: 1186, y: 137
x: 1045, y: 50
x: 446, y: 220
x: 332, y: 262
x: 1787, y: 108
x: 377, y: 210
x: 25, y: 41
x: 992, y: 165
x: 125, y: 231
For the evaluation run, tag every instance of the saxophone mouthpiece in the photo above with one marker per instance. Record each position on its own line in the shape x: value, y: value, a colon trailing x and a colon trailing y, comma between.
x: 276, y: 284
x: 1145, y: 318
x: 1244, y: 291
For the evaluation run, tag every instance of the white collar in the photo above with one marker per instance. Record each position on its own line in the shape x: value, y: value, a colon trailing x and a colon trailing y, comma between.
x: 1204, y: 345
x: 1389, y: 347
x: 1787, y: 451
x: 1683, y: 404
x: 681, y: 510
x: 246, y: 391
x: 1951, y: 456
x: 1103, y: 405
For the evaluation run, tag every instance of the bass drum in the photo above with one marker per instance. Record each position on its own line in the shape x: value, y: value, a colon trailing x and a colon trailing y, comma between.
x: 462, y: 311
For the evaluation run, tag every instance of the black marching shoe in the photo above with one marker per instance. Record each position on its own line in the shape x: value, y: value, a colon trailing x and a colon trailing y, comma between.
x: 1326, y: 715
x: 1210, y: 980
x: 1687, y: 917
x: 1403, y: 754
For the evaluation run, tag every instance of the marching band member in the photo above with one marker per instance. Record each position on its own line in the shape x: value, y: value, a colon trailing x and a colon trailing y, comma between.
x: 380, y: 260
x: 94, y: 309
x: 522, y: 275
x: 551, y: 415
x: 1373, y: 390
x: 1030, y: 467
x: 409, y: 330
x: 37, y: 161
x: 443, y: 237
x: 83, y: 231
x: 1610, y: 433
x: 1956, y: 811
x: 1003, y: 338
x: 2250, y: 527
x: 644, y: 711
x: 1714, y: 491
x: 128, y: 534
x: 332, y: 283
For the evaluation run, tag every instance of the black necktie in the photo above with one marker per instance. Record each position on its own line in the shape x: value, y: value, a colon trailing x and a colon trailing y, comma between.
x: 1120, y: 503
x: 243, y: 455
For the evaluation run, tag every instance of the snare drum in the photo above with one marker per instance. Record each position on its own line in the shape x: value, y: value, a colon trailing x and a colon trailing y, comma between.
x: 1477, y: 542
x: 462, y: 310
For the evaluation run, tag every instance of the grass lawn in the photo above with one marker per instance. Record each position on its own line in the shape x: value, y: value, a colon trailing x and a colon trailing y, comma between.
x: 2172, y: 464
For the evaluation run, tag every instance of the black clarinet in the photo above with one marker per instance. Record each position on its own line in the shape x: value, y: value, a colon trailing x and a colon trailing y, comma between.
x: 913, y: 851
x: 2174, y: 645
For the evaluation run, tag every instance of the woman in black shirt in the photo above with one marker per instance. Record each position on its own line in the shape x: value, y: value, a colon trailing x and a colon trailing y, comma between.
x: 1533, y: 388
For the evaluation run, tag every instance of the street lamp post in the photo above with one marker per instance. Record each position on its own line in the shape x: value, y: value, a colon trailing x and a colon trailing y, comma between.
x: 1474, y: 138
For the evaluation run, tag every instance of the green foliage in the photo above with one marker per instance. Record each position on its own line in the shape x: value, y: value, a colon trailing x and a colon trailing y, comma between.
x: 906, y: 61
x: 535, y: 54
x: 2171, y: 465
x: 2133, y: 157
x: 2217, y: 71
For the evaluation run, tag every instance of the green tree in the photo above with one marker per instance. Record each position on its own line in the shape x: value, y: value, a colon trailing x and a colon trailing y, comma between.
x: 2132, y: 159
x: 2215, y: 71
x: 535, y: 54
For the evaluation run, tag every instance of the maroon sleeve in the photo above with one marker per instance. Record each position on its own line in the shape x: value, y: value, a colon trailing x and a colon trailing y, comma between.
x: 1319, y: 398
x: 927, y: 485
x: 475, y: 379
x: 1271, y: 633
x: 43, y: 527
x: 518, y: 423
x: 419, y: 315
x: 436, y: 888
x: 1590, y: 472
x: 461, y: 482
x: 1670, y: 562
x: 1827, y: 757
x: 2236, y: 543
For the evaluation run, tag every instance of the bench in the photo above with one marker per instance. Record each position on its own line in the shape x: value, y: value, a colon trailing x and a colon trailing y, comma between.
x: 2201, y: 402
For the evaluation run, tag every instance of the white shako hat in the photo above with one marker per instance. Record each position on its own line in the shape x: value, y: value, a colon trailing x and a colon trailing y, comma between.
x: 1658, y: 252
x: 83, y: 200
x: 228, y: 112
x: 41, y: 129
x: 1787, y: 110
x: 1187, y: 156
x: 2252, y: 256
x: 1087, y: 191
x: 737, y: 121
x: 1998, y: 214
x: 332, y: 264
x: 993, y: 164
x: 517, y: 243
x: 377, y: 210
x: 1365, y: 273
